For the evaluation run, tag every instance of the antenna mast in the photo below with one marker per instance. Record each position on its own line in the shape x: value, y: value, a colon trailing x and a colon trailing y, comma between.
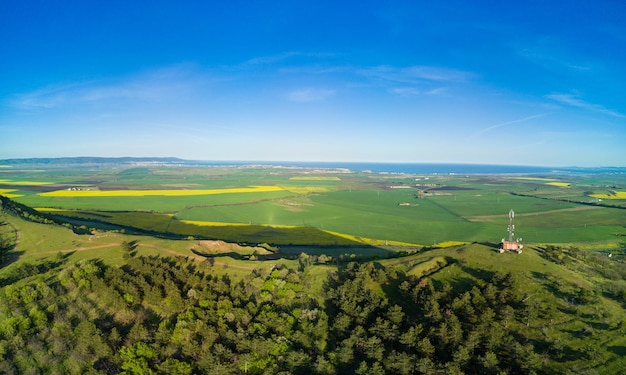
x: 511, y: 228
x: 512, y: 244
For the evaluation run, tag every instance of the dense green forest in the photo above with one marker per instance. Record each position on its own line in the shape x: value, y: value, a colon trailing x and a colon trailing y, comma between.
x: 165, y: 315
x: 171, y: 316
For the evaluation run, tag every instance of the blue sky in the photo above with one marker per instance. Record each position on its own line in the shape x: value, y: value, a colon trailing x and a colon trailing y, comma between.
x: 493, y: 82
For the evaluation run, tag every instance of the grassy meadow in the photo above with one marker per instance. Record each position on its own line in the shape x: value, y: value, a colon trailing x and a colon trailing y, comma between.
x: 585, y: 330
x: 241, y: 203
x: 439, y: 230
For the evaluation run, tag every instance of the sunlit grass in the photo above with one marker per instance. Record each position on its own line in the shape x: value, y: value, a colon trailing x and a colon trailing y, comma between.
x: 427, y: 266
x: 613, y: 195
x: 315, y: 178
x: 224, y: 224
x: 306, y: 190
x: 372, y: 241
x: 559, y: 184
x: 7, y: 193
x: 11, y: 182
x: 534, y: 178
x: 49, y: 209
x: 212, y: 223
x: 450, y: 243
x: 157, y: 192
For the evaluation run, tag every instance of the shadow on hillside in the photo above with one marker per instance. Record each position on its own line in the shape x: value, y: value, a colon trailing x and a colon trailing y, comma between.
x: 294, y: 241
x: 619, y: 350
x: 559, y: 353
x: 66, y: 255
x: 312, y: 237
x: 291, y: 240
x: 27, y: 269
x: 9, y: 257
x: 478, y: 273
x: 279, y: 236
x: 237, y: 256
x: 494, y: 246
x: 336, y: 254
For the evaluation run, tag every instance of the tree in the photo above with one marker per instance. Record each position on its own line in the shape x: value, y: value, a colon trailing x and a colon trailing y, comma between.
x: 174, y: 367
x: 137, y: 358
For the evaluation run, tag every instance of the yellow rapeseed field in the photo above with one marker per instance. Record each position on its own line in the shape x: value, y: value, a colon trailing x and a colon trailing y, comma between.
x: 315, y: 178
x: 10, y: 182
x: 169, y: 193
x: 49, y: 209
x: 534, y: 178
x: 617, y: 195
x: 371, y: 241
x: 450, y: 243
x: 212, y: 223
x: 6, y: 193
x: 224, y: 224
x: 305, y: 190
x: 559, y: 184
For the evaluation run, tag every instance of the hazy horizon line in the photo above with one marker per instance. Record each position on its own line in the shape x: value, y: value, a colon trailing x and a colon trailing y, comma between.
x: 260, y: 161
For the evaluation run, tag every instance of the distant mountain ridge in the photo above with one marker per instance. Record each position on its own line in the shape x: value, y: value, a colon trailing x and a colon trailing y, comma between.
x: 374, y: 167
x: 82, y: 160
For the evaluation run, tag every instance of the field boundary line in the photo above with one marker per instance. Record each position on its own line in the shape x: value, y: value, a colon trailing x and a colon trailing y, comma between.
x: 483, y: 218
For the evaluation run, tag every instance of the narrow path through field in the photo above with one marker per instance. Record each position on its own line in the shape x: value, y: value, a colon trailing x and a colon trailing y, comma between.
x: 162, y: 249
x: 483, y: 218
x: 194, y: 256
x: 446, y: 209
x: 80, y: 248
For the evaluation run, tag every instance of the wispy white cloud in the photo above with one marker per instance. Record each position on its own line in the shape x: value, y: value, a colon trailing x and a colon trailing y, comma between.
x: 316, y: 69
x: 575, y: 101
x: 385, y: 73
x: 398, y: 80
x: 307, y: 95
x: 154, y: 85
x: 405, y: 91
x: 174, y: 82
x: 271, y: 59
x: 414, y: 91
x: 415, y: 74
x: 549, y: 60
x: 48, y: 97
x: 507, y: 123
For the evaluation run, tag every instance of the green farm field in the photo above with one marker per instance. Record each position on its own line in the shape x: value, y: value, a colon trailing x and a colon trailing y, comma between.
x: 286, y: 206
x: 578, y: 294
x: 567, y: 309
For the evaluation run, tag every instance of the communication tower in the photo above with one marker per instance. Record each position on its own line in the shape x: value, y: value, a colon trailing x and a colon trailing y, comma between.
x: 512, y: 244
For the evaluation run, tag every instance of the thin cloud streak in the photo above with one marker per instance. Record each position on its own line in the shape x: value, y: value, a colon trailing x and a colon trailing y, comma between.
x: 154, y: 86
x: 489, y: 128
x: 307, y: 95
x: 414, y: 91
x: 263, y: 60
x: 415, y: 74
x: 549, y: 61
x: 173, y: 81
x: 575, y: 101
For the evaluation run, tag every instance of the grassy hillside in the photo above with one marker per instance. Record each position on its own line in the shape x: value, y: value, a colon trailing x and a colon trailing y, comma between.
x: 107, y: 302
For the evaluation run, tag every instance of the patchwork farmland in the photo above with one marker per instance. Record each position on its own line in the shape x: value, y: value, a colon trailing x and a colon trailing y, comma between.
x: 278, y: 204
x: 290, y: 242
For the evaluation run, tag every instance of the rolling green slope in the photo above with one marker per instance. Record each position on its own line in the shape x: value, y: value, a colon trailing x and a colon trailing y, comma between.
x: 107, y: 302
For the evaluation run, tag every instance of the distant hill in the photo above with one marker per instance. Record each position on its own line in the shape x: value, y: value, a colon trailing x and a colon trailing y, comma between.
x: 89, y: 160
